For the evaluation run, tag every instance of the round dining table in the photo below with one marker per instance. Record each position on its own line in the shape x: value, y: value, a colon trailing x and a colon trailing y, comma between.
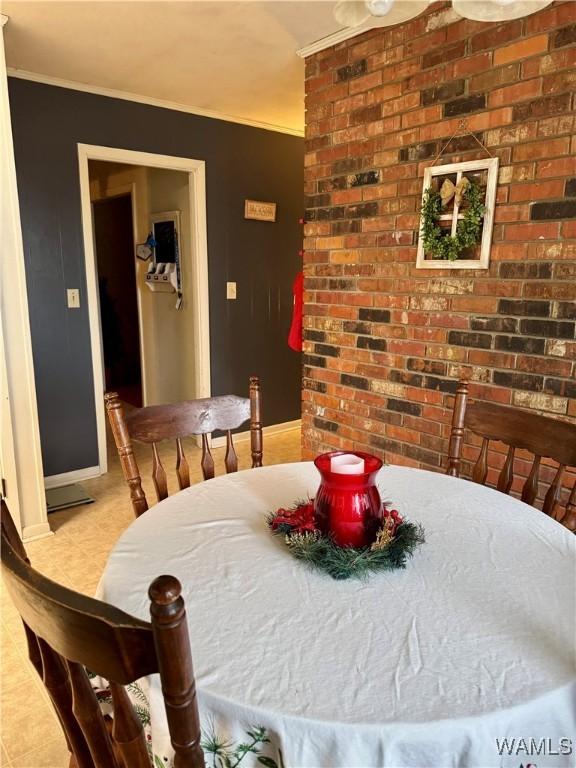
x: 464, y: 658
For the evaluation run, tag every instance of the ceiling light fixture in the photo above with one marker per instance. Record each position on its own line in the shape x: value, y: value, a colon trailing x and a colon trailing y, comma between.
x: 353, y: 13
x: 379, y: 7
x: 497, y: 10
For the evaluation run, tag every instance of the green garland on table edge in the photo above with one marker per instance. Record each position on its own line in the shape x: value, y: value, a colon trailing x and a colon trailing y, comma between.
x: 319, y: 550
x: 450, y: 247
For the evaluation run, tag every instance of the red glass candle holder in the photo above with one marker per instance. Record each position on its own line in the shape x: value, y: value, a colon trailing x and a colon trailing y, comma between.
x: 348, y: 506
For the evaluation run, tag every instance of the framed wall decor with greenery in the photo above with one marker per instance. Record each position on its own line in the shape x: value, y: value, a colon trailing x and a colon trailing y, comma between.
x: 457, y: 215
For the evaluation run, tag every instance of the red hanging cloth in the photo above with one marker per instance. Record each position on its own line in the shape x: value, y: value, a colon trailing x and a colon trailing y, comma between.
x: 295, y: 333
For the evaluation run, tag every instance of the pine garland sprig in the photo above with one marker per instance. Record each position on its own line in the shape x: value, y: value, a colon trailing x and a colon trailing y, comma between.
x: 436, y: 242
x: 227, y: 754
x: 319, y: 551
x: 396, y: 540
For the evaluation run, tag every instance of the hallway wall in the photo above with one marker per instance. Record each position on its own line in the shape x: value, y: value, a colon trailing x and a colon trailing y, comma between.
x: 248, y: 336
x: 173, y: 330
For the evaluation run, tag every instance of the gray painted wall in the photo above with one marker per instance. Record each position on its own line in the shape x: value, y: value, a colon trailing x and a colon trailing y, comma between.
x: 248, y: 336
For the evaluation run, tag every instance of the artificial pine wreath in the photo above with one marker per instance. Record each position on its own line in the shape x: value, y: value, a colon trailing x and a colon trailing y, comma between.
x: 439, y: 245
x: 395, y: 540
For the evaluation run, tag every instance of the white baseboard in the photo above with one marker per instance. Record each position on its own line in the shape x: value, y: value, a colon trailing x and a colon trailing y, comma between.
x: 68, y: 478
x: 273, y: 429
x: 34, y: 532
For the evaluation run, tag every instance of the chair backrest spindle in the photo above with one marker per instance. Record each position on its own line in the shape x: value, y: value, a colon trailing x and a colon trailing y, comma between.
x: 182, y: 468
x: 159, y: 475
x: 54, y: 675
x: 569, y: 519
x: 127, y: 731
x: 530, y: 488
x: 506, y: 476
x: 553, y: 494
x: 90, y: 718
x: 231, y: 459
x: 480, y: 471
x: 207, y: 459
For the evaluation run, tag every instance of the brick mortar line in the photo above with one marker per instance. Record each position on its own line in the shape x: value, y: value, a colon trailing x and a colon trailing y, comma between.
x: 417, y: 57
x: 464, y: 365
x: 405, y: 163
x: 512, y: 164
x: 487, y: 366
x: 448, y: 378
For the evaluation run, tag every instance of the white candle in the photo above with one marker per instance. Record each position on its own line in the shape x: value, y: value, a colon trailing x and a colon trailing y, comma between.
x: 347, y: 464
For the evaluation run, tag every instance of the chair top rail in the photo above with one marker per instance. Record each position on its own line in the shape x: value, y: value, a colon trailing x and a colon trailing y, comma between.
x: 192, y: 417
x: 541, y: 435
x: 103, y: 638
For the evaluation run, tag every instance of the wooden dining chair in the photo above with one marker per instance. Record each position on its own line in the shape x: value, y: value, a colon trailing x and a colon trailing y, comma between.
x: 542, y: 436
x: 175, y: 421
x: 68, y: 633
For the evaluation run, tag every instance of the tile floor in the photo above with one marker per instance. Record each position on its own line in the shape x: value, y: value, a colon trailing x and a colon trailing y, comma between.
x: 30, y: 736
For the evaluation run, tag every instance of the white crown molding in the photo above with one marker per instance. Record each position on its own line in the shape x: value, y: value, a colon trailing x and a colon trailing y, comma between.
x: 4, y: 19
x: 335, y: 37
x: 113, y: 93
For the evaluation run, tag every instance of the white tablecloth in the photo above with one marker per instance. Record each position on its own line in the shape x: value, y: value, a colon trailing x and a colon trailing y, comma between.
x: 472, y: 643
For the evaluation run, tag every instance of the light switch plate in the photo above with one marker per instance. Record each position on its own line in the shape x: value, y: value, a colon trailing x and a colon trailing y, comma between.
x: 73, y: 295
x: 230, y: 290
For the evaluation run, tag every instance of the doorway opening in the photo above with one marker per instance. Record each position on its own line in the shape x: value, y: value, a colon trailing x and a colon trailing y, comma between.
x: 150, y: 340
x: 117, y: 293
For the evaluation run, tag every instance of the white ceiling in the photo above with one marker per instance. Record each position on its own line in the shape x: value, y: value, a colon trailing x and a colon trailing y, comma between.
x: 234, y: 58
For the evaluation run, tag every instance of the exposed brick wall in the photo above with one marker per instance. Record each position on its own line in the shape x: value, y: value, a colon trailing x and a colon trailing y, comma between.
x: 384, y: 342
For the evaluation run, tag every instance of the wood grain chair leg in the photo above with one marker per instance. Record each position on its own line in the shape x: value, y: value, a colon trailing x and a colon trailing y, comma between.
x: 255, y: 421
x: 125, y: 452
x: 176, y: 674
x: 457, y: 431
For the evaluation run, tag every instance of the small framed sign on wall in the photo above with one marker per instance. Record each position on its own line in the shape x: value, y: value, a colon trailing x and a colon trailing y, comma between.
x: 255, y: 209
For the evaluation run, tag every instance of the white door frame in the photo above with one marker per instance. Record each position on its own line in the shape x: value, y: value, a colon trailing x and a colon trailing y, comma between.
x: 199, y: 283
x: 21, y: 452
